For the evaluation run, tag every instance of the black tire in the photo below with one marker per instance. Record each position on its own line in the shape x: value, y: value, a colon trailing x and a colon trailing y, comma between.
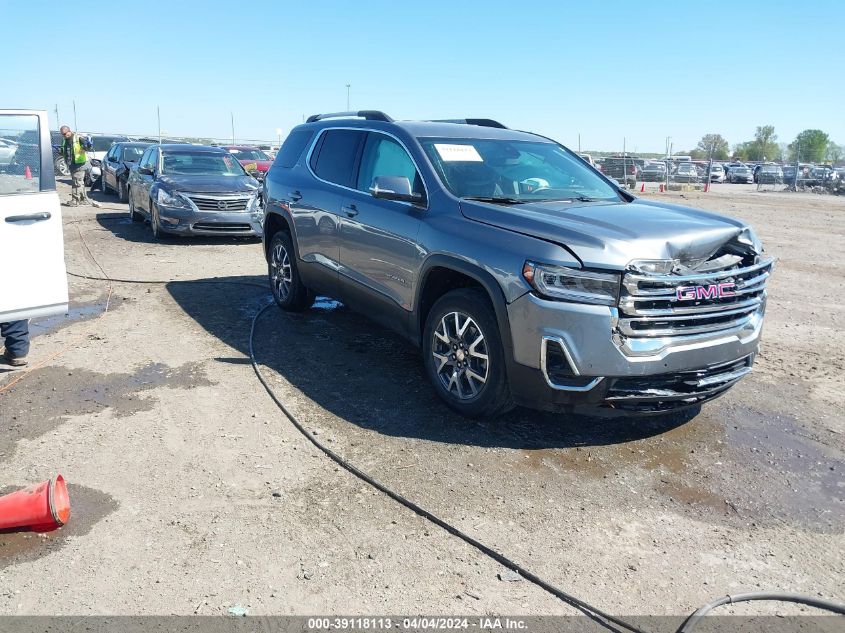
x: 155, y: 223
x: 122, y: 190
x: 288, y: 290
x: 103, y: 187
x: 60, y: 166
x: 493, y: 397
x: 133, y: 212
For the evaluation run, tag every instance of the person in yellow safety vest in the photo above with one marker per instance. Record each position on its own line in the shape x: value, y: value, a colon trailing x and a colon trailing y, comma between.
x: 73, y: 151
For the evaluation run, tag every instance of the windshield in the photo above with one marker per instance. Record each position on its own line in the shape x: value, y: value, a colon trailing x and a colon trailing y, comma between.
x: 132, y: 154
x: 515, y: 171
x: 249, y: 154
x: 200, y: 164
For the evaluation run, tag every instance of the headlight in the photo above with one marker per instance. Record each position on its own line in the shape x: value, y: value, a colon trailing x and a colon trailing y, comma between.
x: 570, y: 284
x: 166, y: 200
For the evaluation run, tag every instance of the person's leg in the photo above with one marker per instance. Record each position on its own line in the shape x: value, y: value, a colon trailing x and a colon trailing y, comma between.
x: 16, y: 335
x: 78, y: 178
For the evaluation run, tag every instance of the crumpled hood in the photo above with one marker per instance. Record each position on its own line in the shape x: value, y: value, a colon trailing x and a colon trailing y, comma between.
x: 610, y: 235
x: 209, y: 184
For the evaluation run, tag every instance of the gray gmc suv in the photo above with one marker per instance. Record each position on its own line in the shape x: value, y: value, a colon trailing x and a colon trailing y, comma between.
x: 525, y: 275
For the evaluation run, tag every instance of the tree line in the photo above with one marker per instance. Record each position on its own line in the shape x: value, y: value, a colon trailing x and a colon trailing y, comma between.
x: 810, y: 146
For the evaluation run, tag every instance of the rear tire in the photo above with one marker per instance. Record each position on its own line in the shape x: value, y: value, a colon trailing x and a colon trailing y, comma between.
x: 463, y: 354
x: 288, y: 290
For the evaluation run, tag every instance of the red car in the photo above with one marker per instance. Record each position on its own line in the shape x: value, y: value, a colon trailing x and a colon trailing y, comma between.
x: 252, y: 159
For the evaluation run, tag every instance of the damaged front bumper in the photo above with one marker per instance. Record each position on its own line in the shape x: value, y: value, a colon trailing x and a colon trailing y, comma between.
x: 571, y: 356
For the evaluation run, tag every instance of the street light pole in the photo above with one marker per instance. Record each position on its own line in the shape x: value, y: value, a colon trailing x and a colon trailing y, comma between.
x: 279, y: 135
x: 348, y: 86
x: 232, y: 115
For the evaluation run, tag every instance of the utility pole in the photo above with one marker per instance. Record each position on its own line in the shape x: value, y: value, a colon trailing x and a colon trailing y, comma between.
x: 158, y: 112
x: 279, y: 135
x: 232, y: 115
x: 58, y: 123
x: 579, y: 142
x: 348, y: 86
x: 75, y: 126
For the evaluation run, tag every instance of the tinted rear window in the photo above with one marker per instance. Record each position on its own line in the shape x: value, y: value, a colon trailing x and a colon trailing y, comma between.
x: 338, y: 151
x: 292, y: 148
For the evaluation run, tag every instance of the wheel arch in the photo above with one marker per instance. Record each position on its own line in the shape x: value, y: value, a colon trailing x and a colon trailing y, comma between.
x: 273, y: 223
x: 442, y: 273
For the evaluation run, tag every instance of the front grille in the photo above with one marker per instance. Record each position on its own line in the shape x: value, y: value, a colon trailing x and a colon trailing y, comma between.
x: 222, y: 227
x: 666, y: 391
x: 649, y: 306
x: 219, y: 203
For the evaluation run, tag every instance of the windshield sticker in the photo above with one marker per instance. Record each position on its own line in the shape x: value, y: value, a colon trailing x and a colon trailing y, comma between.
x: 458, y: 153
x: 250, y: 166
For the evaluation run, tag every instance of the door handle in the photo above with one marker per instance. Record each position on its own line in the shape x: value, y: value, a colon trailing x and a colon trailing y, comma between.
x: 31, y: 217
x: 351, y: 210
x: 295, y: 196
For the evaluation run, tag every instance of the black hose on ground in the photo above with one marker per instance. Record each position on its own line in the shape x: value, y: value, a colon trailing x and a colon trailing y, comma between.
x: 818, y: 603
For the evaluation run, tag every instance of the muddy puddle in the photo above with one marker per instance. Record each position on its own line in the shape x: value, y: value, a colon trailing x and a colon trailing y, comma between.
x: 88, y: 507
x: 738, y: 463
x: 76, y: 312
x: 52, y: 395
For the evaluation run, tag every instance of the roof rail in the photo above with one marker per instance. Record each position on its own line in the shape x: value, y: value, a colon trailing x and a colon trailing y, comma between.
x: 481, y: 122
x: 369, y: 115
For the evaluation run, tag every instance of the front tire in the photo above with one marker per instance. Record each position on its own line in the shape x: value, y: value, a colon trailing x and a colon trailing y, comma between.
x: 155, y: 222
x: 122, y: 190
x: 103, y: 187
x: 288, y: 290
x: 60, y: 167
x: 133, y: 212
x: 463, y: 354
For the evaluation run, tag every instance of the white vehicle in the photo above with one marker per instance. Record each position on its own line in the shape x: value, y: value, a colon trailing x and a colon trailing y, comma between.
x: 32, y: 258
x: 7, y: 151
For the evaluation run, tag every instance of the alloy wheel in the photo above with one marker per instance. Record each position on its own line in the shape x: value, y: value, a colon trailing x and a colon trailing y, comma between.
x: 460, y: 352
x: 280, y: 272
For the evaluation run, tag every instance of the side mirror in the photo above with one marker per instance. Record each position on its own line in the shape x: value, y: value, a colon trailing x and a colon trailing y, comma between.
x: 394, y: 188
x: 146, y: 171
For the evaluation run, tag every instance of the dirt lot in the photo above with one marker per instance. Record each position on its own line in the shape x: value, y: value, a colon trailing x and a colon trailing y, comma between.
x: 174, y: 451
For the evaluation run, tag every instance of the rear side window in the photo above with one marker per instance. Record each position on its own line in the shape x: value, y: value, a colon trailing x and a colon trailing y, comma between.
x: 291, y: 149
x: 338, y: 151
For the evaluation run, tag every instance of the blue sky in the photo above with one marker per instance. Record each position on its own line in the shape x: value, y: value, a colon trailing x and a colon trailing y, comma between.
x: 607, y: 70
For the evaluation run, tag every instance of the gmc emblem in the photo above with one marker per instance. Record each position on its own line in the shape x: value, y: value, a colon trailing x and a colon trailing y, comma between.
x: 712, y: 291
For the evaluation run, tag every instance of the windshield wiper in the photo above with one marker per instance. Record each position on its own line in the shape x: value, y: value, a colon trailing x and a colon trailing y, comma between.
x: 496, y: 199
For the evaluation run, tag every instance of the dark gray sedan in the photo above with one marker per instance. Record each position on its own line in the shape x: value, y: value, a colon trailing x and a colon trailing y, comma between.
x: 194, y: 190
x: 116, y: 166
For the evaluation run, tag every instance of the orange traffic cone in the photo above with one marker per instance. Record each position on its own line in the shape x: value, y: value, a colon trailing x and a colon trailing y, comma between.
x: 40, y: 508
x: 642, y: 188
x: 27, y: 173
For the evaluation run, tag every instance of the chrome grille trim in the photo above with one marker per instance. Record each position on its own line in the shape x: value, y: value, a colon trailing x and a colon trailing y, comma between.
x: 649, y: 307
x: 209, y: 202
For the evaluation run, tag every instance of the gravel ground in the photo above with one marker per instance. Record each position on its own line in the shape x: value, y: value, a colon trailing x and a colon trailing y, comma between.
x: 192, y: 493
